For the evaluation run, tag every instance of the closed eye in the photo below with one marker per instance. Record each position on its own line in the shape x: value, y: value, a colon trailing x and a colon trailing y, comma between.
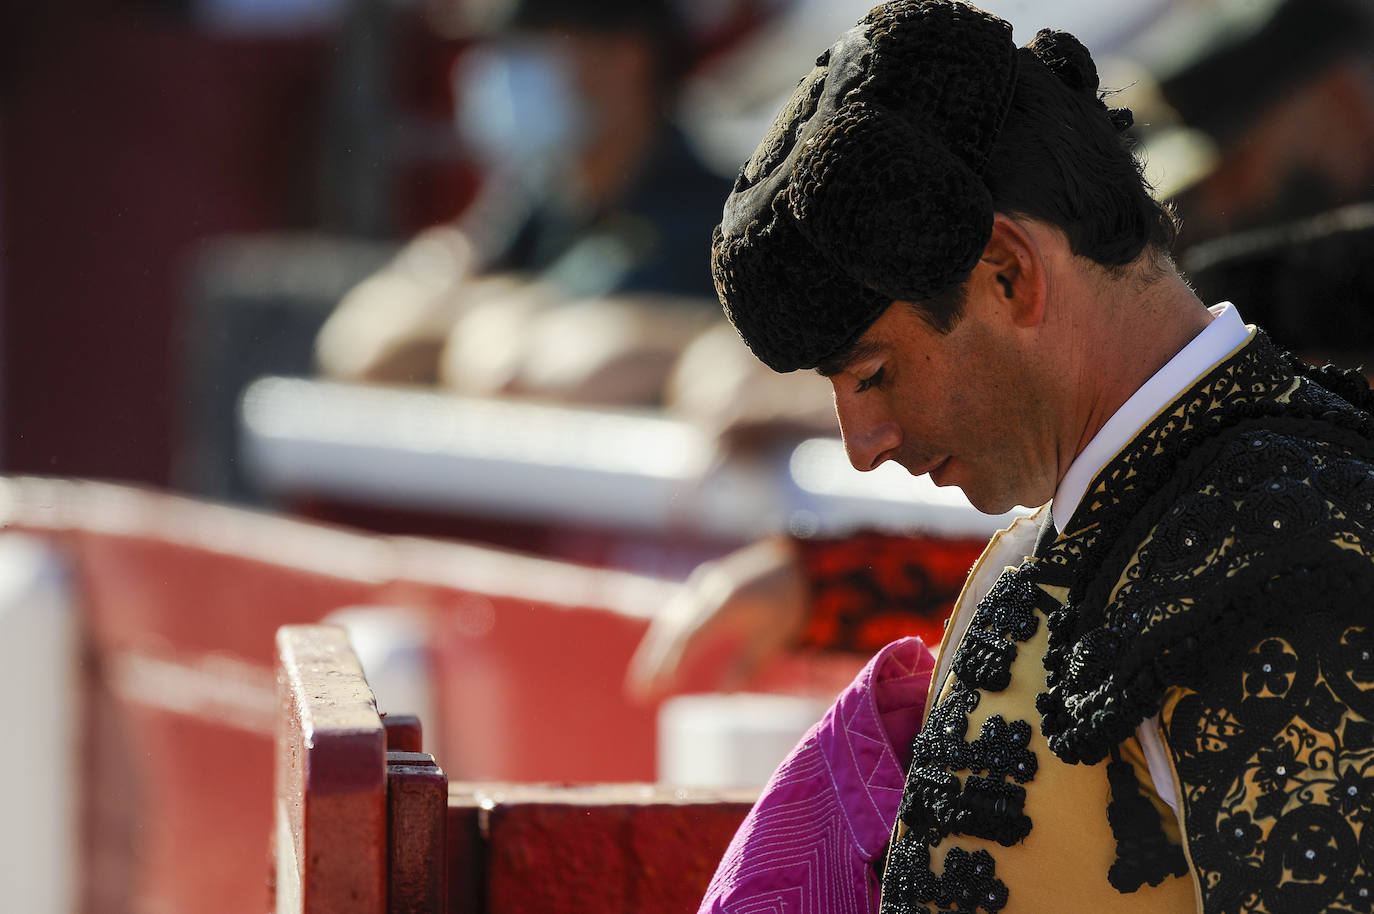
x: 872, y: 380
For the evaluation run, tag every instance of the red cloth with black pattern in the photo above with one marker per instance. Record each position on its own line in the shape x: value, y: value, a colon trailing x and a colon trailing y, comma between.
x: 871, y: 588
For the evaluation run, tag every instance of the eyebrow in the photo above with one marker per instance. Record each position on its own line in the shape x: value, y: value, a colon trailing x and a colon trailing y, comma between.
x: 861, y: 350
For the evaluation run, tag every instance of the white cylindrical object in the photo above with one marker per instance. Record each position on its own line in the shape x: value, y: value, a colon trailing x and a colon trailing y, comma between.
x: 730, y: 740
x: 38, y: 675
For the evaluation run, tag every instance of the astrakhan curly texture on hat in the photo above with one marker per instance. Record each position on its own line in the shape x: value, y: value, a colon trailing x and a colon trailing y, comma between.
x: 867, y: 188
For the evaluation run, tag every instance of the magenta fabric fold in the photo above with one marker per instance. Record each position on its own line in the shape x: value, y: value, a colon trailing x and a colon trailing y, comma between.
x: 808, y: 845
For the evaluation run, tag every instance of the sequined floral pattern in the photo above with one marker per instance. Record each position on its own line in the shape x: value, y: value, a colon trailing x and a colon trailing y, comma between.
x: 1278, y: 774
x: 962, y: 786
x: 969, y: 883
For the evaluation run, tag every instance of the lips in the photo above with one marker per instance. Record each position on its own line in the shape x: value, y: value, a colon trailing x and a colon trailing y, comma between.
x: 931, y: 467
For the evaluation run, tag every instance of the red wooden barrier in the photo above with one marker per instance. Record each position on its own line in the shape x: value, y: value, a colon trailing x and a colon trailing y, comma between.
x: 597, y: 849
x: 331, y: 816
x: 180, y: 601
x: 361, y: 830
x: 416, y: 802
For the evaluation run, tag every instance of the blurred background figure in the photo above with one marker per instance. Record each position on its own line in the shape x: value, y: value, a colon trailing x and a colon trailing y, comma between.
x: 590, y: 193
x: 1309, y: 282
x: 1283, y: 92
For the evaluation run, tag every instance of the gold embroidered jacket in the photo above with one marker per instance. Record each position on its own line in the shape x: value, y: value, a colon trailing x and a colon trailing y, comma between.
x: 1211, y: 601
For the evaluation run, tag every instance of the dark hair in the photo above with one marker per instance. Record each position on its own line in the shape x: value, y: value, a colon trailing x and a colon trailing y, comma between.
x: 1064, y: 158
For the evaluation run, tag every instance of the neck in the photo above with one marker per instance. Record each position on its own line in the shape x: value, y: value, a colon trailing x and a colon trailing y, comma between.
x: 1152, y: 315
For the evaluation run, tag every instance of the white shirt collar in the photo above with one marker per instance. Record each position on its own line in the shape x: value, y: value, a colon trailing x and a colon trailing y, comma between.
x: 1222, y: 336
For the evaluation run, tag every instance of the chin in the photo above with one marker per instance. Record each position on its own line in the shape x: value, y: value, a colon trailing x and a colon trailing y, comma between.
x: 990, y: 502
x: 998, y: 498
x: 992, y: 508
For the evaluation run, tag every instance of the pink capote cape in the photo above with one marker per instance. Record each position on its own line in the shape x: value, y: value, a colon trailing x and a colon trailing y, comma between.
x: 808, y: 845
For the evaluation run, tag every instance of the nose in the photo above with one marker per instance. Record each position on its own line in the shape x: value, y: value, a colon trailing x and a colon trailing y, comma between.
x: 869, y: 433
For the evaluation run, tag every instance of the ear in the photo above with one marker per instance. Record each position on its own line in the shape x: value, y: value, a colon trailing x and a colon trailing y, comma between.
x: 1012, y: 271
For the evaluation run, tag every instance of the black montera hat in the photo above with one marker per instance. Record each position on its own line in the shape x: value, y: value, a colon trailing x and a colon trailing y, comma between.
x: 868, y: 187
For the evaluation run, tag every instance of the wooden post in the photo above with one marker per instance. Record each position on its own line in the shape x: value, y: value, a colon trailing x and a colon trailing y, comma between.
x: 416, y: 805
x: 331, y: 806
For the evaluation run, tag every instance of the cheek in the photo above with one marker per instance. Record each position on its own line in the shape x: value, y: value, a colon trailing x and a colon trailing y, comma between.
x: 975, y: 417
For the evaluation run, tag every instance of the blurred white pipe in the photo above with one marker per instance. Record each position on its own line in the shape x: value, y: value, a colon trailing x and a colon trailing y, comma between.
x: 38, y: 677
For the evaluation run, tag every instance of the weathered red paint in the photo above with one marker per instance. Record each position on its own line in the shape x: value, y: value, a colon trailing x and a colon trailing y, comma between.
x: 465, y: 852
x: 404, y: 733
x: 612, y: 849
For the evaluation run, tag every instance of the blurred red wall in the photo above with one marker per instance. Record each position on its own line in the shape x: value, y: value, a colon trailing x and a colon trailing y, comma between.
x: 129, y: 134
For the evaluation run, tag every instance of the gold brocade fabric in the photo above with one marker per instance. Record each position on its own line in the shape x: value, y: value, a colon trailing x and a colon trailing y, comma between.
x: 1219, y: 573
